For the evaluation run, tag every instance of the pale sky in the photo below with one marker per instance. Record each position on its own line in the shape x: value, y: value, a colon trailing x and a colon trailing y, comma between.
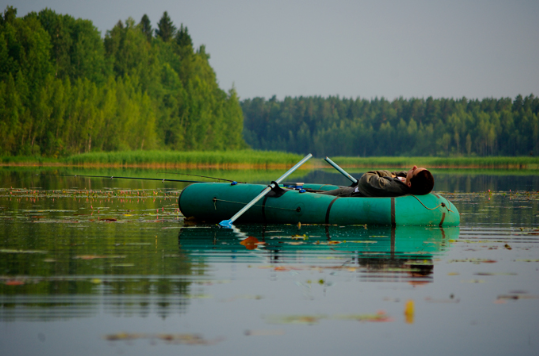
x: 393, y: 48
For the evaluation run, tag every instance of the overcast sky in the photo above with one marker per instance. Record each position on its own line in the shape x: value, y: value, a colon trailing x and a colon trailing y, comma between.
x: 408, y: 48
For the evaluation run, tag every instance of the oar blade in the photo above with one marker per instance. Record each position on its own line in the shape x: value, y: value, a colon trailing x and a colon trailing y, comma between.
x: 226, y: 224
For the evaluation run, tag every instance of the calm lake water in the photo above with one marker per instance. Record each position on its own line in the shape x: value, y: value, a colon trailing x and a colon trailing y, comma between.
x: 106, y: 267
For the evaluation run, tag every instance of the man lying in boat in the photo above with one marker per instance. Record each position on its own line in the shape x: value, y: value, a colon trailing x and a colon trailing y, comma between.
x: 417, y: 181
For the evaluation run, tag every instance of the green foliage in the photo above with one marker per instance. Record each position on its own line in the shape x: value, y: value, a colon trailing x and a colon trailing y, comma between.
x: 359, y: 127
x: 77, y: 48
x: 65, y: 90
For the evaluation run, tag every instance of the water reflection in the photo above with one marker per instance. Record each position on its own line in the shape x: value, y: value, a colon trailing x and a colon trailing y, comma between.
x: 376, y: 253
x: 447, y: 180
x: 63, y: 282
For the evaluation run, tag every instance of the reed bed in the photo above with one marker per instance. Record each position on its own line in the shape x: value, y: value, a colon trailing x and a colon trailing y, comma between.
x: 440, y: 162
x: 27, y: 160
x: 244, y: 158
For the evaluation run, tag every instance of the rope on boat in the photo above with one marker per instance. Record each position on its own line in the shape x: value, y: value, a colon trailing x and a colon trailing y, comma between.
x: 242, y: 203
x: 442, y: 204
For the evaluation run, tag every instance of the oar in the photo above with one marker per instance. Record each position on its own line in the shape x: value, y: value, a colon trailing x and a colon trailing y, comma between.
x: 228, y: 223
x: 342, y: 171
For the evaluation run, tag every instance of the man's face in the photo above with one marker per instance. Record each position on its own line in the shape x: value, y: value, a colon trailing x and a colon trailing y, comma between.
x: 412, y: 172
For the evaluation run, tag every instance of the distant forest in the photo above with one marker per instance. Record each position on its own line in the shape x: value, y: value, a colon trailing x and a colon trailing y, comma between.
x: 65, y: 89
x: 402, y: 127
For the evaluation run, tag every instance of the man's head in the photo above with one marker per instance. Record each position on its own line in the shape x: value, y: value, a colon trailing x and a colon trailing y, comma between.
x: 420, y: 180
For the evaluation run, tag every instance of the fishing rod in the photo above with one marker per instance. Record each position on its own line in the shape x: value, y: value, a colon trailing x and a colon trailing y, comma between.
x: 116, y: 177
x: 196, y: 175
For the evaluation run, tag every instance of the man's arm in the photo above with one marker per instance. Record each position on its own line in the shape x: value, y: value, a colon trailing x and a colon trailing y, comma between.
x: 377, y: 179
x: 380, y: 173
x: 399, y: 174
x: 380, y: 184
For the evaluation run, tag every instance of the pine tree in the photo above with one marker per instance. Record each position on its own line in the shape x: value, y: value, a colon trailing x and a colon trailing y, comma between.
x: 146, y: 27
x: 183, y: 39
x: 165, y: 28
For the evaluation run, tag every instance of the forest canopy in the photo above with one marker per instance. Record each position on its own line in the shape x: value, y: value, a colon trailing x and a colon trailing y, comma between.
x: 64, y: 89
x: 403, y: 127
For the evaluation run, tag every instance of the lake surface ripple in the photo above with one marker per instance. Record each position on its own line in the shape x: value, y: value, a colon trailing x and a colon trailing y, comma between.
x: 109, y: 267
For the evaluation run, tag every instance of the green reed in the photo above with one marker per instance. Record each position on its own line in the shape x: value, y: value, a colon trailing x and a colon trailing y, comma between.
x: 265, y: 159
x: 194, y: 158
x: 441, y: 162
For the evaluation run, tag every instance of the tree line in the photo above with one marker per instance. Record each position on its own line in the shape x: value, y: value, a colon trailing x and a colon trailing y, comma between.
x: 64, y: 89
x: 402, y: 127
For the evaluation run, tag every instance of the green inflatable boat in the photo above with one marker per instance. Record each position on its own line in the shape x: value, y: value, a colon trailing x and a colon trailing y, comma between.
x: 300, y: 203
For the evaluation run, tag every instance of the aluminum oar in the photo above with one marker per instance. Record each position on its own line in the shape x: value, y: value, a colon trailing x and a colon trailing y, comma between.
x: 228, y: 223
x: 342, y: 171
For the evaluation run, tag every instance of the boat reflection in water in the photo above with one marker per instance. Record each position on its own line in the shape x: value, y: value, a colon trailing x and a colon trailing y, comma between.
x: 162, y: 276
x: 380, y: 253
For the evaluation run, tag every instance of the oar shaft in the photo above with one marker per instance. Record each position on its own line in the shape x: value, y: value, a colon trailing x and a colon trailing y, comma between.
x: 251, y: 203
x: 283, y: 177
x: 342, y: 171
x: 228, y: 223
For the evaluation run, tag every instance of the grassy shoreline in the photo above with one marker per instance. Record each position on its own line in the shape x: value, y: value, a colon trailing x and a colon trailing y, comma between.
x: 245, y: 159
x: 250, y: 159
x: 523, y: 162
